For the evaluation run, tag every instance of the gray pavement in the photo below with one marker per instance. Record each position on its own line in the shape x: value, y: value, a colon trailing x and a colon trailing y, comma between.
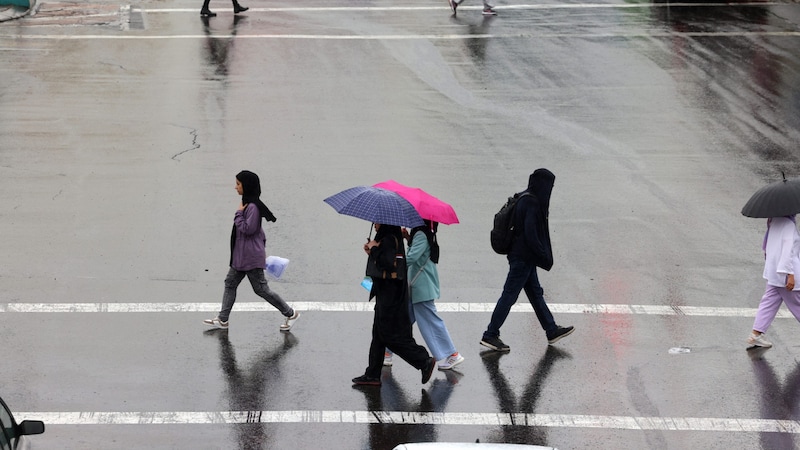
x: 121, y: 130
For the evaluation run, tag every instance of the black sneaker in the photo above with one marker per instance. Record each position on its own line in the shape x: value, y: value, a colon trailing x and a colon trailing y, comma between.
x: 364, y: 380
x: 495, y: 344
x: 560, y: 332
x: 427, y: 371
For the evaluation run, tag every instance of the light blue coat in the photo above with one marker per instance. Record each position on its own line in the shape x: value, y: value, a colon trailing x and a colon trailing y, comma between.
x: 423, y: 276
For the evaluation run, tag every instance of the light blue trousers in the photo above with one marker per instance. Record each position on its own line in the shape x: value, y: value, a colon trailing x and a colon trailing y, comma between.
x: 432, y: 329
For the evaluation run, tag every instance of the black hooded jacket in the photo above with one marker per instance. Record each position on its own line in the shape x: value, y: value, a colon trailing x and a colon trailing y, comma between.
x: 532, y: 231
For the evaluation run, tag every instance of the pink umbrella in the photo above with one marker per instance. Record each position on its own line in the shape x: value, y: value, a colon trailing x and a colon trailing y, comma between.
x: 428, y: 206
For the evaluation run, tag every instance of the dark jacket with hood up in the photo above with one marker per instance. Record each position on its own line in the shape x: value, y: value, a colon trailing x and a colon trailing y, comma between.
x: 531, y: 230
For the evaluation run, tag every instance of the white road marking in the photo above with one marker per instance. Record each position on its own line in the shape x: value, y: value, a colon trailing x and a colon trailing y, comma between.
x: 461, y: 307
x: 475, y: 8
x: 400, y: 37
x: 479, y: 7
x: 418, y: 418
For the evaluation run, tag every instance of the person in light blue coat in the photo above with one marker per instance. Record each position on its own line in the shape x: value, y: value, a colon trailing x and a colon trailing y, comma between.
x: 423, y: 277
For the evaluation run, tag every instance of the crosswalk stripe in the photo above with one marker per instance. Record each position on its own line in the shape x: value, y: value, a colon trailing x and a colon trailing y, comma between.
x: 446, y: 307
x: 418, y: 418
x: 354, y: 8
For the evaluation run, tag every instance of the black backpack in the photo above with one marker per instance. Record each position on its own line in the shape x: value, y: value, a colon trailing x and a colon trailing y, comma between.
x: 502, y: 235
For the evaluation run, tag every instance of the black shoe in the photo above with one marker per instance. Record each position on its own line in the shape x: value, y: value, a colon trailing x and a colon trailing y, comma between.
x: 427, y: 371
x: 207, y: 13
x: 364, y: 380
x: 495, y: 344
x: 239, y: 8
x: 560, y: 332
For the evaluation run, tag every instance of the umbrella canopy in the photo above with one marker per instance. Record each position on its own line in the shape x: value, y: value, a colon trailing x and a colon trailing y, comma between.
x: 778, y: 199
x: 376, y: 205
x: 428, y: 206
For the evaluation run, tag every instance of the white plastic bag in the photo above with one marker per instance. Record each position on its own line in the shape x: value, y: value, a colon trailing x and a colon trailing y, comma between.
x: 276, y: 265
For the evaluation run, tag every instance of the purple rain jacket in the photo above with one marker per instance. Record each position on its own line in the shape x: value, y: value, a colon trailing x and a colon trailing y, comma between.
x: 248, y: 249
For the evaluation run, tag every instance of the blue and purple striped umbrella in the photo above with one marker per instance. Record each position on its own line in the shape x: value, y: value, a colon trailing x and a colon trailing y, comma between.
x: 375, y: 205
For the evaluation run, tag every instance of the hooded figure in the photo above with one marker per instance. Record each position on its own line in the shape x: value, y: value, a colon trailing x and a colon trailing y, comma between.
x: 530, y: 249
x: 531, y: 228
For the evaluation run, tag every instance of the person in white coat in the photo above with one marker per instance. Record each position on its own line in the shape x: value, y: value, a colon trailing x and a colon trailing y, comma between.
x: 782, y: 259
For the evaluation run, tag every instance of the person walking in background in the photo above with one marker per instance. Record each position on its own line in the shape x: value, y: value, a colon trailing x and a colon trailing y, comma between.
x: 248, y: 255
x: 237, y: 8
x: 422, y: 258
x: 391, y: 326
x: 782, y: 258
x: 488, y: 9
x: 530, y: 249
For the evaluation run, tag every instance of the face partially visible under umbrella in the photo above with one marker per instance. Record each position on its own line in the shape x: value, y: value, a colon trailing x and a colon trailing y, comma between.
x: 778, y: 199
x: 375, y: 205
x: 428, y: 206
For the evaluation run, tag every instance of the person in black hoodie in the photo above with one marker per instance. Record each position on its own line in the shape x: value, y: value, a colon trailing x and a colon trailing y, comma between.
x: 391, y: 327
x: 531, y: 249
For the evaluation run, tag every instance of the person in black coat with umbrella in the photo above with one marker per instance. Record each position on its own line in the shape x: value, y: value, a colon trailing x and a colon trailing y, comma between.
x: 391, y: 327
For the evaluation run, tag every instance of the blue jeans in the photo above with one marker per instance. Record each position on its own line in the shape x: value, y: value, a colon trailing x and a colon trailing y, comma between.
x: 521, y: 275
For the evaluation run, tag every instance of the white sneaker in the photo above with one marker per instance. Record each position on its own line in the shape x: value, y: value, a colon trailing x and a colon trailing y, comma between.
x: 387, y: 359
x: 758, y: 341
x: 216, y: 323
x: 287, y: 324
x: 451, y: 361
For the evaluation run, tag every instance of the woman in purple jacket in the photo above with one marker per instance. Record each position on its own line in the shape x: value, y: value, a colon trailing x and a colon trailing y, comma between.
x: 248, y: 253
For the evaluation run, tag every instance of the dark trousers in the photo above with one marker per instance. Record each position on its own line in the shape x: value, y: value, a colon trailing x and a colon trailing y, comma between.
x: 391, y: 328
x: 521, y: 275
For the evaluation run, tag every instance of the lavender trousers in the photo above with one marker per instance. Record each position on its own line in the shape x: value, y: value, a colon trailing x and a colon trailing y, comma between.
x: 771, y: 303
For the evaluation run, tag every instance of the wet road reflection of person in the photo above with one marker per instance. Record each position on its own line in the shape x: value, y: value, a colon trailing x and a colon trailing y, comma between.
x: 779, y: 401
x: 391, y: 397
x: 249, y: 389
x: 477, y: 46
x: 218, y: 49
x: 508, y: 402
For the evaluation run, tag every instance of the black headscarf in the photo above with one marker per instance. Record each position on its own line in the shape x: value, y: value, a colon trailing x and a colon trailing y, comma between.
x: 429, y: 229
x: 389, y: 230
x: 251, y: 191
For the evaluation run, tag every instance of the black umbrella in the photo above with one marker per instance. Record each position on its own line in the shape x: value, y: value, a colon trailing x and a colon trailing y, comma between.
x: 778, y: 199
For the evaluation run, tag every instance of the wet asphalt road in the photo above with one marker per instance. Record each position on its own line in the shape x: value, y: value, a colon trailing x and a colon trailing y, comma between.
x: 121, y: 131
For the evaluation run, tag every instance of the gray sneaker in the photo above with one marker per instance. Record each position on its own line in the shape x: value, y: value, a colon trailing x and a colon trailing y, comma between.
x: 216, y: 323
x: 287, y: 324
x: 495, y: 344
x: 757, y: 340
